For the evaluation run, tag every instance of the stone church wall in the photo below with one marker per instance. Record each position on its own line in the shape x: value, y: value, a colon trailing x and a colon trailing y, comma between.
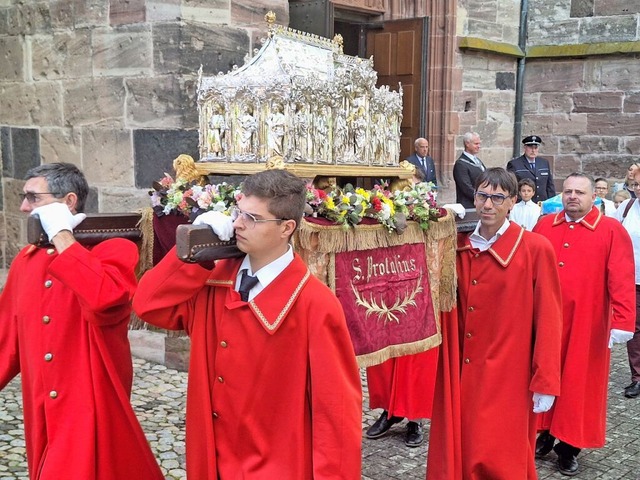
x: 485, y: 99
x: 587, y: 106
x: 581, y: 83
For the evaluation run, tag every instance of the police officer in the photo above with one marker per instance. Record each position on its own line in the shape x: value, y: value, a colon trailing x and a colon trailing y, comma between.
x: 529, y: 165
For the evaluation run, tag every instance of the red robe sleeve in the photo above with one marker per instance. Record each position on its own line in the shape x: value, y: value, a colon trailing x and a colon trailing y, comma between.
x: 9, y: 351
x: 102, y: 279
x: 164, y: 302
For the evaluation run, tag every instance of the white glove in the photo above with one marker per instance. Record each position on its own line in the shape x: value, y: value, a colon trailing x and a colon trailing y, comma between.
x: 56, y: 217
x: 221, y: 224
x: 619, y: 336
x: 457, y: 208
x: 542, y: 402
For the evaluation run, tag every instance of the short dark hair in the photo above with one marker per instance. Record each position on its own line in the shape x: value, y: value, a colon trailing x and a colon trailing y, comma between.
x: 284, y: 192
x: 63, y: 178
x: 583, y: 175
x: 498, y: 177
x: 601, y: 179
x: 528, y: 182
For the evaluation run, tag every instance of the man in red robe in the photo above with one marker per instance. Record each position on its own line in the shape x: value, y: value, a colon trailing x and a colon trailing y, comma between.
x: 403, y: 388
x: 499, y: 360
x: 274, y: 388
x: 64, y: 315
x: 595, y: 263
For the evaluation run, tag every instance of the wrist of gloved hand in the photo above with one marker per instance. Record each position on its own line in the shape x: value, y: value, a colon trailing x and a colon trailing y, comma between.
x: 619, y: 336
x: 542, y: 402
x: 56, y: 217
x: 221, y: 224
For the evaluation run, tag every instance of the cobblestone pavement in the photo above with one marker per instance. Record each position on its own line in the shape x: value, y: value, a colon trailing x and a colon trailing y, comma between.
x: 159, y: 401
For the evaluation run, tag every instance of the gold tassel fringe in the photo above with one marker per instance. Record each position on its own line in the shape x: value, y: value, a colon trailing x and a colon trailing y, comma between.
x: 145, y: 261
x: 146, y: 246
x: 392, y: 351
x: 336, y: 238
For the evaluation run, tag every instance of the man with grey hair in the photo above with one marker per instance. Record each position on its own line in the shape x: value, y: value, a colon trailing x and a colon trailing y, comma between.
x: 64, y: 315
x: 467, y: 169
x: 596, y: 314
x: 423, y: 161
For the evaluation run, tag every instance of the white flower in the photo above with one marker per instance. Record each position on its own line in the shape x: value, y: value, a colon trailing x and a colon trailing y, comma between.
x: 219, y: 207
x: 385, y: 213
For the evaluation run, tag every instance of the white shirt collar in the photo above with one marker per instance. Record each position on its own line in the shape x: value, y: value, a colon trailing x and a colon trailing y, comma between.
x: 481, y: 243
x: 266, y: 274
x: 566, y: 217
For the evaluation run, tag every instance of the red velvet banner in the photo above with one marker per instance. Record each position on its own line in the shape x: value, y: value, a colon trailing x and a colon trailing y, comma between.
x: 386, y: 296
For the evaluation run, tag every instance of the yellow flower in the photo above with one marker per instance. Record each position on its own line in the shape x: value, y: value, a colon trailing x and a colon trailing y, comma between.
x: 389, y: 202
x: 363, y: 193
x: 329, y: 203
x: 345, y: 199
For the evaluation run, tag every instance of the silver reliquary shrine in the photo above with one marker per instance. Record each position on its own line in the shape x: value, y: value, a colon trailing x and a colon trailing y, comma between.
x: 299, y: 101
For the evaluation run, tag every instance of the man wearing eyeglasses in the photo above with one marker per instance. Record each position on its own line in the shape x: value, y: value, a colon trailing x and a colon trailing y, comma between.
x: 596, y: 313
x: 274, y: 388
x: 64, y: 315
x: 500, y: 354
x: 530, y: 165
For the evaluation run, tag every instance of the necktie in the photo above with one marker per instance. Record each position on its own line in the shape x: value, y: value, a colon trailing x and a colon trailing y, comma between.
x: 532, y: 166
x: 247, y: 282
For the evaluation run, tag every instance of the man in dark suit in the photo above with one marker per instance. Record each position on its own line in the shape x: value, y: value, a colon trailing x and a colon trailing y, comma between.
x: 467, y: 169
x: 422, y: 161
x: 529, y: 165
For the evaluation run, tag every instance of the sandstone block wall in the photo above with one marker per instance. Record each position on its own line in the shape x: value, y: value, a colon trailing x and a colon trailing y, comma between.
x: 110, y: 85
x: 587, y: 112
x: 485, y: 104
x: 585, y: 106
x: 484, y: 101
x: 496, y: 20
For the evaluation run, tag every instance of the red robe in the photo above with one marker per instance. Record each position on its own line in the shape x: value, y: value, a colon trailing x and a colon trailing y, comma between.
x: 274, y: 388
x: 595, y: 263
x: 500, y: 344
x: 68, y: 341
x: 403, y: 386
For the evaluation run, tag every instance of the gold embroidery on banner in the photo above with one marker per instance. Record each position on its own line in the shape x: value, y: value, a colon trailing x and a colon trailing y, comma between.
x: 382, y: 310
x: 284, y: 310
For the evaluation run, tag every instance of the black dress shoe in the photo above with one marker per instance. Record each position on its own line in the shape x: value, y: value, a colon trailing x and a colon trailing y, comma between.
x: 544, y: 444
x: 633, y: 390
x: 414, y: 436
x: 568, y: 465
x: 382, y: 425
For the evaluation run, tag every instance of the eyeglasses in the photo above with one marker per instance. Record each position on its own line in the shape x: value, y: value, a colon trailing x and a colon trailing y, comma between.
x: 496, y: 198
x: 250, y: 220
x: 32, y: 197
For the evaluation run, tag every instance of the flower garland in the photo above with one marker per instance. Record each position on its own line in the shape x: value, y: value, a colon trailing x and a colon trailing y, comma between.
x: 346, y: 206
x: 180, y: 197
